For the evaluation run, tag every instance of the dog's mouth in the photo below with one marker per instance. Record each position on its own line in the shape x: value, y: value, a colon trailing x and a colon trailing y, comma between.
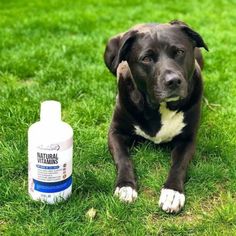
x: 164, y: 99
x: 172, y: 99
x: 173, y: 96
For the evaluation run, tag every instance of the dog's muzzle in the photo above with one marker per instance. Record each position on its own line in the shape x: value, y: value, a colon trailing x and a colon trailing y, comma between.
x: 175, y: 87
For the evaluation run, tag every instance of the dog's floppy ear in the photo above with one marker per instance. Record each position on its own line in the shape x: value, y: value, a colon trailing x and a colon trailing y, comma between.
x: 193, y: 35
x: 117, y: 50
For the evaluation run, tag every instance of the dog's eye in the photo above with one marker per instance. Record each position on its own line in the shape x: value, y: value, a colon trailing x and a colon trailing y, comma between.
x: 179, y: 52
x: 147, y: 59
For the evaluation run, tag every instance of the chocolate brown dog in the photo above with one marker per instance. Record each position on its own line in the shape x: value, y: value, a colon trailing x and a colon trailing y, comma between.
x: 158, y: 68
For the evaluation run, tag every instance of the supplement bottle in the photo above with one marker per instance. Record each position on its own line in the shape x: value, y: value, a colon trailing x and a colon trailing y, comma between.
x: 50, y: 149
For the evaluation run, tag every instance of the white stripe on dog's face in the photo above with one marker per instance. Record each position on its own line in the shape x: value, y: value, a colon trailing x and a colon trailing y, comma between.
x: 172, y: 125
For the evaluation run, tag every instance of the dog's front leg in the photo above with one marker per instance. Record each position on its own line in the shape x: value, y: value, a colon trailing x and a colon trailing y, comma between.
x: 119, y: 145
x: 172, y: 198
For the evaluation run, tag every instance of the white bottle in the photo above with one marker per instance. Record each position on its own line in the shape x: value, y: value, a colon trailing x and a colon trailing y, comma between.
x: 50, y: 149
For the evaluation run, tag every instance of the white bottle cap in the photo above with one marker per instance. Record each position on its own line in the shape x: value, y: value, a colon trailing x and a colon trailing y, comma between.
x: 50, y: 111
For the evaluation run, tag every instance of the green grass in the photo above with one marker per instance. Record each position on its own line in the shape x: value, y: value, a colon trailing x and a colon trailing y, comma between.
x: 54, y: 50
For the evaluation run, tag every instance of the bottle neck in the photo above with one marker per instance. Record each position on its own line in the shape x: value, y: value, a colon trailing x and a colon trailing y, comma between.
x: 50, y: 112
x: 50, y: 122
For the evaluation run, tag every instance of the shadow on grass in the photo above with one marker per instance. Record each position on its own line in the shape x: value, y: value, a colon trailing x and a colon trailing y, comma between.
x: 88, y: 183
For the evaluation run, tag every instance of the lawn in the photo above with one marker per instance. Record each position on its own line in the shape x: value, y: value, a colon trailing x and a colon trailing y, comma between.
x: 54, y: 50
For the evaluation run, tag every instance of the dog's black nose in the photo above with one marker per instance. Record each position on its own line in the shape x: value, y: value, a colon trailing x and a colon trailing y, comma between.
x: 172, y: 81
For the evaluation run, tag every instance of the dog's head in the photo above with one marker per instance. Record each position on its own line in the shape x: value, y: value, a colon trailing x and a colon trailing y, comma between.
x: 160, y: 57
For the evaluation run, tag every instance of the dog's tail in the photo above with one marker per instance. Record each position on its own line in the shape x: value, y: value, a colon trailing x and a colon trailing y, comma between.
x: 199, y: 57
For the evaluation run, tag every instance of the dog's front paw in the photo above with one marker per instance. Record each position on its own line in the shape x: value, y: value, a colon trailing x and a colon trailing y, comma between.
x: 126, y: 194
x: 171, y: 201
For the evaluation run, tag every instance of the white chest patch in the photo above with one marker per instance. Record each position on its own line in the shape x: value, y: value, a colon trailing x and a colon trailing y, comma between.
x: 172, y: 124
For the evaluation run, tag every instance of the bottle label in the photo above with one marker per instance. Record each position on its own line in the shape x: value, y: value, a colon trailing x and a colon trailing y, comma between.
x: 50, y: 167
x: 52, y: 187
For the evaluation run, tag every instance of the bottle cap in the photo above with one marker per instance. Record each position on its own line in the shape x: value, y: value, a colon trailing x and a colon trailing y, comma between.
x: 50, y: 111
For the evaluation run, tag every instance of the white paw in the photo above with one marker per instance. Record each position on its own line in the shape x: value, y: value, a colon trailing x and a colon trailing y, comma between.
x: 126, y: 194
x: 171, y: 201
